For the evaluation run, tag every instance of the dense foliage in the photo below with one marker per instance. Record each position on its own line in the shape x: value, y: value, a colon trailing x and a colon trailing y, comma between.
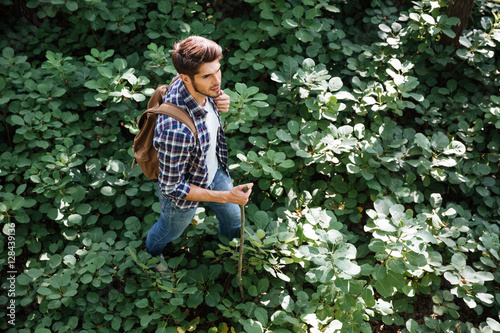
x: 373, y: 144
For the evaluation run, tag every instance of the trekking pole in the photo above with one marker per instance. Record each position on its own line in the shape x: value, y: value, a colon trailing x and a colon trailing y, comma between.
x: 242, y: 239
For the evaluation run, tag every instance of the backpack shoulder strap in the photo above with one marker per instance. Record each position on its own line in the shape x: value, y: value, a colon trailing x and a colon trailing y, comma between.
x: 178, y: 114
x: 157, y: 106
x: 157, y: 97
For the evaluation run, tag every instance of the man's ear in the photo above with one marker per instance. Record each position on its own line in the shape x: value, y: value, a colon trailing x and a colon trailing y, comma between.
x: 185, y: 78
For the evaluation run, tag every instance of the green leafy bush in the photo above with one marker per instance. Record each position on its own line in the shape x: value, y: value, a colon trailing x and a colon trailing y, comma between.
x: 372, y: 143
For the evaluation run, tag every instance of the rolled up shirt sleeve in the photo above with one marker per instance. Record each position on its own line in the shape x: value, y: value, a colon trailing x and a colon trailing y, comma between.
x: 174, y: 143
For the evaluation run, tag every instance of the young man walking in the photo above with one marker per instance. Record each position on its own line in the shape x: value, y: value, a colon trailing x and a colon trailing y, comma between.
x: 193, y: 171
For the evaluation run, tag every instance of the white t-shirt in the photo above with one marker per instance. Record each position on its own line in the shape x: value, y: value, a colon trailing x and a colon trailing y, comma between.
x: 212, y: 123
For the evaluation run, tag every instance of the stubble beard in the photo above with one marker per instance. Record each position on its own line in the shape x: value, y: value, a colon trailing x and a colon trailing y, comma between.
x: 206, y: 93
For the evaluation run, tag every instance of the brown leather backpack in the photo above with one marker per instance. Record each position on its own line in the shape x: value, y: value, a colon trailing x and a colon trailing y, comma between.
x: 145, y: 153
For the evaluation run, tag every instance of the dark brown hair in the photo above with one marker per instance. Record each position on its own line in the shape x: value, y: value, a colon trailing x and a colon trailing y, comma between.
x: 188, y: 55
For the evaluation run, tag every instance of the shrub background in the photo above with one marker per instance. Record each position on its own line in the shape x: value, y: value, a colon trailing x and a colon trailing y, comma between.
x: 370, y: 129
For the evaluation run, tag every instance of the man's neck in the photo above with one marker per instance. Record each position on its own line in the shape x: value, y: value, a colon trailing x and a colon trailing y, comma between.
x: 199, y: 98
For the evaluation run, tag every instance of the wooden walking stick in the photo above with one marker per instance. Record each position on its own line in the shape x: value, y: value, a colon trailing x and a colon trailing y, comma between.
x: 242, y: 239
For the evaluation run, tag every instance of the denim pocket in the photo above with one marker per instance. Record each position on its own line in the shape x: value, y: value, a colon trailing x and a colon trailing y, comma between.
x: 163, y: 201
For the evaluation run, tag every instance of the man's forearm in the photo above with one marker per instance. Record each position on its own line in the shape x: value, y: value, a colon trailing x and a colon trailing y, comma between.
x: 201, y: 194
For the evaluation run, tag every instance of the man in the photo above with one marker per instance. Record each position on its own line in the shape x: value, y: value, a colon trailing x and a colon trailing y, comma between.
x: 193, y: 171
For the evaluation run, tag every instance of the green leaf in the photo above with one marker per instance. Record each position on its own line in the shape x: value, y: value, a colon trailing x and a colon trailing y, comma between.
x: 383, y: 205
x: 263, y: 285
x: 55, y: 260
x: 312, y: 13
x: 75, y: 219
x: 44, y: 291
x: 289, y: 23
x: 99, y: 261
x: 384, y: 288
x: 146, y: 320
x: 376, y: 245
x: 120, y: 64
x: 138, y: 97
x: 298, y: 11
x: 165, y: 6
x: 422, y: 142
x: 396, y: 280
x: 495, y: 99
x: 195, y: 299
x: 252, y: 326
x: 261, y: 219
x: 8, y: 53
x: 448, y: 32
x: 283, y: 277
x: 267, y: 14
x: 141, y: 303
x: 290, y: 67
x: 86, y: 278
x: 429, y: 19
x: 293, y: 127
x: 121, y: 200
x: 465, y: 42
x: 347, y: 267
x: 17, y: 203
x: 284, y: 136
x: 439, y: 141
x: 17, y: 120
x: 456, y: 148
x: 351, y: 168
x: 252, y: 291
x: 133, y: 253
x: 459, y: 261
x: 108, y: 191
x: 396, y: 265
x: 341, y: 186
x: 287, y: 164
x: 83, y: 209
x: 213, y: 298
x: 485, y: 298
x: 69, y: 260
x: 416, y: 259
x: 34, y: 273
x: 72, y: 6
x: 493, y: 324
x: 335, y: 84
x: 332, y: 236
x: 105, y: 71
x: 368, y: 297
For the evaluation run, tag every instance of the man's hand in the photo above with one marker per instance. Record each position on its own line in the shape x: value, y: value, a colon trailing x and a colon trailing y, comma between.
x: 222, y: 102
x: 238, y: 194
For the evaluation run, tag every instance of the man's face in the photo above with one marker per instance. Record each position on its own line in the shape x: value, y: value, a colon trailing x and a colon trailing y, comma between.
x: 208, y: 79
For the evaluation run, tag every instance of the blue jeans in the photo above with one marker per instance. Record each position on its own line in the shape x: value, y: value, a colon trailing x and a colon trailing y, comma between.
x: 173, y: 220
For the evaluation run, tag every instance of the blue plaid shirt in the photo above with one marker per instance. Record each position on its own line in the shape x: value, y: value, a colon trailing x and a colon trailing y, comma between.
x: 182, y: 158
